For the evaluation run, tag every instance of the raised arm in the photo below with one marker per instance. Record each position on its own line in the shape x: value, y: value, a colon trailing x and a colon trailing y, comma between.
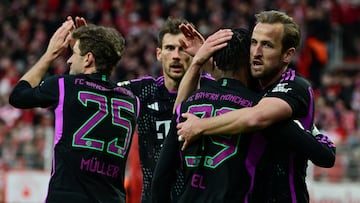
x: 58, y: 43
x: 191, y: 78
x: 191, y: 44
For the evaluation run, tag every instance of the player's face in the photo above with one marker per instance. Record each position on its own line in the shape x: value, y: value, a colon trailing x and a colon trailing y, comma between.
x: 265, y: 52
x: 173, y: 58
x: 76, y: 61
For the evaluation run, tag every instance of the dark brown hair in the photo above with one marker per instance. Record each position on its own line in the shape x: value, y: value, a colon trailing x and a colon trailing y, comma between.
x: 105, y: 43
x: 171, y: 25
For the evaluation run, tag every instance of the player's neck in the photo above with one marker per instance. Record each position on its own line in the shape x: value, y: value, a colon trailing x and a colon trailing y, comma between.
x: 171, y: 85
x: 242, y: 75
x: 268, y: 81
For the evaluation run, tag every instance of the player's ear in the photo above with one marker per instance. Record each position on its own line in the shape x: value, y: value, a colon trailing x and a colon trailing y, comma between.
x: 158, y: 53
x: 89, y: 59
x: 288, y: 55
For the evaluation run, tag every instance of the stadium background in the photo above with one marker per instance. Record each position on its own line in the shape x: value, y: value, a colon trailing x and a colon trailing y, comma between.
x: 329, y: 57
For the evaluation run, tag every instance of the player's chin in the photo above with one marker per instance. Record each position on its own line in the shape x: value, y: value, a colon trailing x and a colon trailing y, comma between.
x: 257, y: 68
x: 256, y: 73
x: 177, y: 74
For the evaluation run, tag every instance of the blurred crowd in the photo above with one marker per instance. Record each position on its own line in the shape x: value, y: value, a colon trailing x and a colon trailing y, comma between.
x: 329, y: 58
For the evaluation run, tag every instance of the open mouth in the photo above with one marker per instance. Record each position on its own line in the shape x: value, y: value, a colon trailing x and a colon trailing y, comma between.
x: 257, y: 64
x: 176, y: 67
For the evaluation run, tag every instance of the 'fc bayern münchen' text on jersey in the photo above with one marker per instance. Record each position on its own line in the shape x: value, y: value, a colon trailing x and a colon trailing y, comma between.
x: 214, y: 166
x: 94, y: 124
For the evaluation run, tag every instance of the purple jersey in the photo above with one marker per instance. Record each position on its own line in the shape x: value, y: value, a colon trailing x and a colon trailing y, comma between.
x: 213, y: 166
x: 156, y: 110
x: 280, y: 172
x: 229, y: 168
x: 94, y: 124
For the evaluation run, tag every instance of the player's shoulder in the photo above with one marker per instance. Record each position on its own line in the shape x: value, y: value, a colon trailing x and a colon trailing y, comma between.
x: 75, y: 80
x: 54, y: 79
x: 138, y: 81
x: 291, y: 83
x: 294, y: 79
x: 145, y: 86
x: 68, y: 77
x: 123, y: 83
x: 144, y: 79
x: 206, y: 79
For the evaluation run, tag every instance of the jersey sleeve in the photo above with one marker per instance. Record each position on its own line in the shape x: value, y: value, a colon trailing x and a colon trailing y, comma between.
x: 297, y: 93
x: 45, y: 95
x: 165, y: 171
x: 137, y: 85
x: 317, y: 148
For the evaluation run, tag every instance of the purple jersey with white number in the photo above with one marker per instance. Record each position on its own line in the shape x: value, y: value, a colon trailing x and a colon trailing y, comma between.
x: 94, y: 124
